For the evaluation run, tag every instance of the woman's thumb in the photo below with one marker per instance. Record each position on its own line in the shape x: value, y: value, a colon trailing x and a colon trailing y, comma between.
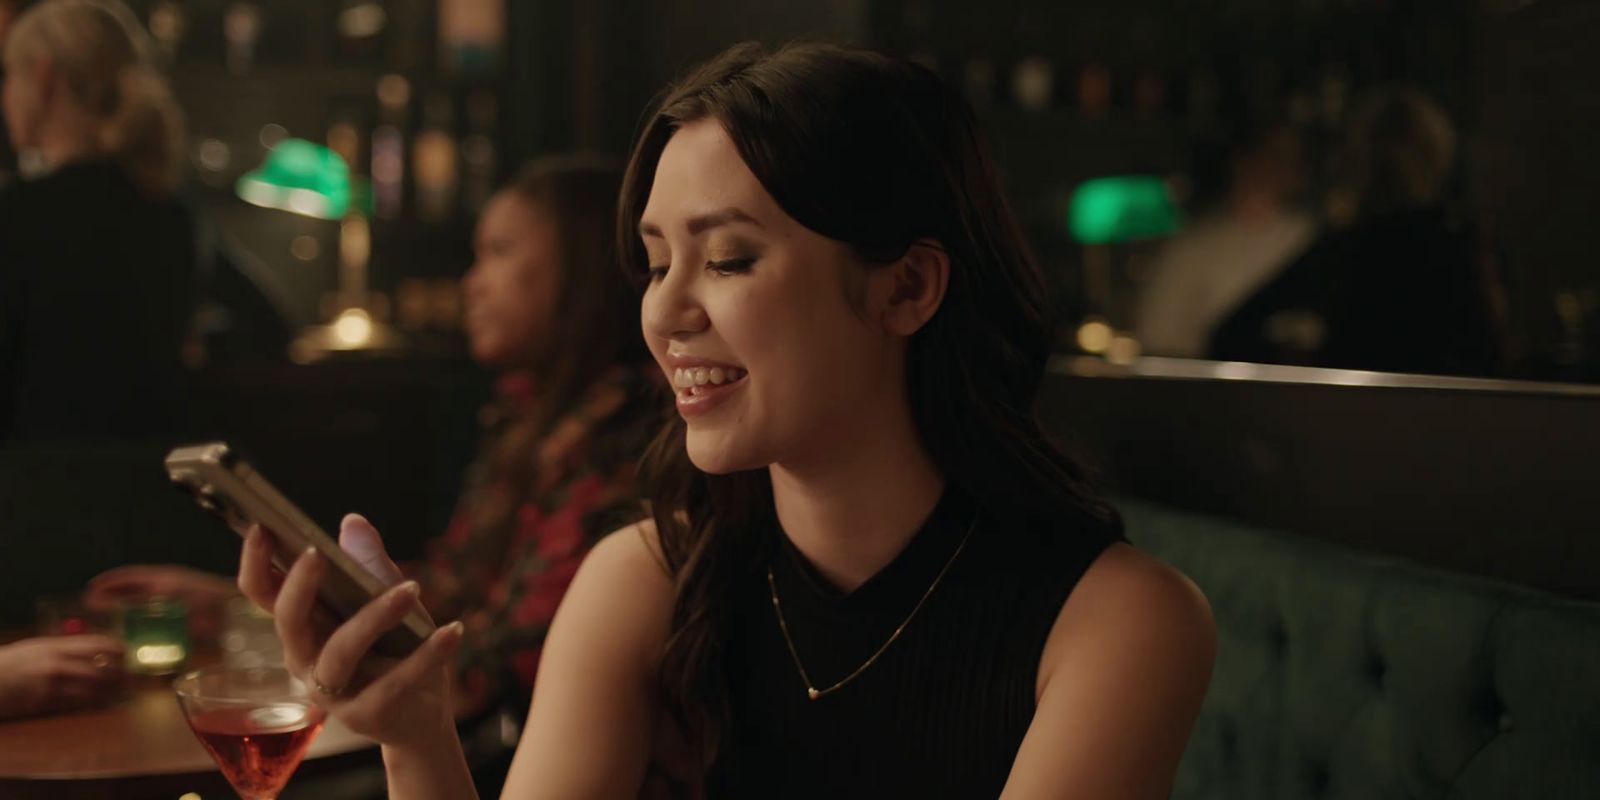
x: 358, y: 538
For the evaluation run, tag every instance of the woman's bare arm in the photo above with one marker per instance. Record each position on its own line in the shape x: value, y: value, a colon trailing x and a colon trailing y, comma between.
x: 594, y: 703
x: 1121, y: 681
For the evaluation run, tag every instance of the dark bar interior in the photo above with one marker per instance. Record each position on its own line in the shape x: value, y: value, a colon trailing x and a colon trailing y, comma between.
x: 1291, y: 306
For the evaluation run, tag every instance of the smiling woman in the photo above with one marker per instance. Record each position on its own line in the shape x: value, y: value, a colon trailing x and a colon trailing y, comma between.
x: 867, y: 572
x: 827, y: 223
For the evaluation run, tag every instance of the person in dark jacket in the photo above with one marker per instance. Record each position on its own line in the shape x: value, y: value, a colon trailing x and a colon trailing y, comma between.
x: 97, y: 257
x: 96, y: 277
x: 1396, y: 288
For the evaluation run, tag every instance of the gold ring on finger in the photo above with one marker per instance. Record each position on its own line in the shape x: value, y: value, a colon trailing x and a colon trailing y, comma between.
x: 100, y: 661
x: 317, y: 684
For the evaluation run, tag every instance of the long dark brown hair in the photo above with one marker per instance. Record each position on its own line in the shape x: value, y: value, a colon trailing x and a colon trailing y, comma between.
x: 877, y: 153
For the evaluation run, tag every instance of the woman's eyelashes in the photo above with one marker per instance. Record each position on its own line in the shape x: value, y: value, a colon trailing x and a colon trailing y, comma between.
x: 723, y: 266
x: 730, y: 266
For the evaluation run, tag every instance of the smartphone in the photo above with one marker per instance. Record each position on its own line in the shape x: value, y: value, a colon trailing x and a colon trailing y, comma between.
x: 224, y: 484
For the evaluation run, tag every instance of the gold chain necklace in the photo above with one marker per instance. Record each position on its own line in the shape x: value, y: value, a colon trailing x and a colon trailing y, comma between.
x: 812, y: 692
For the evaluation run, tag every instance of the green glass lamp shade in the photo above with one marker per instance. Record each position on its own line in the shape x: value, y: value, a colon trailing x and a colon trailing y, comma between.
x: 1121, y: 209
x: 302, y: 177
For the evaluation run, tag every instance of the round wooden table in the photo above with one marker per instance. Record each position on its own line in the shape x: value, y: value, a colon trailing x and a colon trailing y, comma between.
x: 140, y: 747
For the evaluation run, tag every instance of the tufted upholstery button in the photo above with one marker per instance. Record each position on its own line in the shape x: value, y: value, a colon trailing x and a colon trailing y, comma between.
x: 1317, y: 778
x: 1494, y: 712
x: 1376, y: 669
x: 1278, y: 638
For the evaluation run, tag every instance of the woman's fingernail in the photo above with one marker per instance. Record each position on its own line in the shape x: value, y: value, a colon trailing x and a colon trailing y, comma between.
x: 454, y: 628
x: 408, y: 589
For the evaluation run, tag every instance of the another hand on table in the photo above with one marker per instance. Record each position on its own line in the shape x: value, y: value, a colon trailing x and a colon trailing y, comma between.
x: 139, y: 581
x: 409, y: 703
x: 58, y: 673
x: 202, y: 592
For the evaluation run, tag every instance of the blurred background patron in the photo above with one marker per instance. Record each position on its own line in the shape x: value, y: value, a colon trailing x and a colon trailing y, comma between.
x: 1395, y: 284
x: 1207, y: 269
x: 96, y: 256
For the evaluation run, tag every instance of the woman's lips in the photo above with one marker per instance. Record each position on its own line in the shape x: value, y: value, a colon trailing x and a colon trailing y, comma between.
x: 703, y: 398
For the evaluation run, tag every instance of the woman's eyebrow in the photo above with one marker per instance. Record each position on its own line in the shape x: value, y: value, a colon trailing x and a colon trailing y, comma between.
x: 703, y: 222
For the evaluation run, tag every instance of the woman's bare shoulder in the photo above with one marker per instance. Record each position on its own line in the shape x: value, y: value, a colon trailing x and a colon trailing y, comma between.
x: 1129, y: 596
x: 619, y: 606
x: 1131, y: 573
x: 631, y: 550
x: 1121, y: 681
x: 624, y: 579
x: 589, y: 728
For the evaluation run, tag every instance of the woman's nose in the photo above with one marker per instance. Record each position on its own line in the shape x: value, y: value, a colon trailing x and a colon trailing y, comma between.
x: 471, y: 281
x: 671, y: 308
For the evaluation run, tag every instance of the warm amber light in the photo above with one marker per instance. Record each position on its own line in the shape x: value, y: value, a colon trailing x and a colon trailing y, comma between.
x: 1123, y: 350
x: 344, y: 139
x: 1095, y: 336
x: 355, y: 241
x: 394, y: 92
x: 353, y: 328
x: 362, y: 21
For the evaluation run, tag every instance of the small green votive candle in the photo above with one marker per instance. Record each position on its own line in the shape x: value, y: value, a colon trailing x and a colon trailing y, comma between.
x: 156, y: 634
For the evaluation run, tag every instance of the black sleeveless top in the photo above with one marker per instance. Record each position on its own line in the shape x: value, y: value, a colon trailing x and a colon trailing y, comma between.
x: 944, y: 709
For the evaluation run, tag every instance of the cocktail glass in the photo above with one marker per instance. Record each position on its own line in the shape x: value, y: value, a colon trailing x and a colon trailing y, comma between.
x: 257, y: 724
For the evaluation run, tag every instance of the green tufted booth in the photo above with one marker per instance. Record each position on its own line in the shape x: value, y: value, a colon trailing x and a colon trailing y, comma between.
x: 1342, y: 675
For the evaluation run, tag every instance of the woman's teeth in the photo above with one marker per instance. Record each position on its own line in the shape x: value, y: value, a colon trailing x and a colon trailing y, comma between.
x: 701, y: 376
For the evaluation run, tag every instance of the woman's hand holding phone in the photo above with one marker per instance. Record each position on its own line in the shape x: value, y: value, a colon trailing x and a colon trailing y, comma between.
x: 403, y: 704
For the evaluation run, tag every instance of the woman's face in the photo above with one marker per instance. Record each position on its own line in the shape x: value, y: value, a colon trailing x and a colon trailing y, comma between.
x: 510, y: 291
x: 750, y: 315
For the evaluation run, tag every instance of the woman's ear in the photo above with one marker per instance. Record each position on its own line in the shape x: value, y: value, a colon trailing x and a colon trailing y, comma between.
x: 913, y: 287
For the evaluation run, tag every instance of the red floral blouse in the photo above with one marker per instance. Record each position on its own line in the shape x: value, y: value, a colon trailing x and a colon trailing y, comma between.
x: 536, y: 498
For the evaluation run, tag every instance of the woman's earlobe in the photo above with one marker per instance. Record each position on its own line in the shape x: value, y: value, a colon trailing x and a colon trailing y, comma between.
x: 920, y: 279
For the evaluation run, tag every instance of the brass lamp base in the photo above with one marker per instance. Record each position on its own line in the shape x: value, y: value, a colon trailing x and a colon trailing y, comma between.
x: 352, y: 333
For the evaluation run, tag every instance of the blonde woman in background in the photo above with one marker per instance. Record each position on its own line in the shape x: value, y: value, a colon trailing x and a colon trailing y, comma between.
x: 96, y: 277
x: 97, y: 258
x: 8, y: 157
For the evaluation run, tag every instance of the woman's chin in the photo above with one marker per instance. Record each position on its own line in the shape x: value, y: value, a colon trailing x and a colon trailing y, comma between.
x: 713, y: 456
